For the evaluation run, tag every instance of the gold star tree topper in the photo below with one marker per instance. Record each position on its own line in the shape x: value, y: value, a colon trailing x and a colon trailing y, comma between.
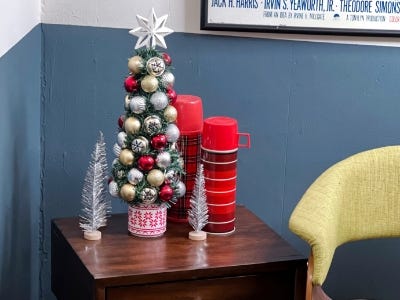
x: 151, y: 31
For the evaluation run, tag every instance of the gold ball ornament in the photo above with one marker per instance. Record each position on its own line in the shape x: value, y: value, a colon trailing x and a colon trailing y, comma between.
x: 155, y: 177
x: 126, y: 157
x: 149, y: 84
x: 170, y: 113
x: 135, y: 64
x: 128, y: 192
x: 132, y: 125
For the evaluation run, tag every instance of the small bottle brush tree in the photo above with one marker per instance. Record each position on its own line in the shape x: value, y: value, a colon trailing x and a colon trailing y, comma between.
x: 198, y: 213
x: 148, y: 166
x: 96, y: 207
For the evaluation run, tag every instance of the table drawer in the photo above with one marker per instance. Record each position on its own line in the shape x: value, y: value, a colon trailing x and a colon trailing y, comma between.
x: 277, y: 285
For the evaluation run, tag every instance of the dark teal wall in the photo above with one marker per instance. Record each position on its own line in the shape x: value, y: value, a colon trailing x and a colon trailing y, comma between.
x: 307, y: 105
x: 20, y: 168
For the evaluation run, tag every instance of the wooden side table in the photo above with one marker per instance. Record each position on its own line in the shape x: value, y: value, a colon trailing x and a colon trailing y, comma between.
x: 252, y: 263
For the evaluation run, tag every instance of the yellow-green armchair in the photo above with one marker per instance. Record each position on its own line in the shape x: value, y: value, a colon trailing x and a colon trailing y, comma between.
x: 355, y: 199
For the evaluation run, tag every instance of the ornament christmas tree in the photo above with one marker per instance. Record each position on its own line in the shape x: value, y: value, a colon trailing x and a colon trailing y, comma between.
x: 148, y: 166
x: 198, y: 213
x: 94, y: 200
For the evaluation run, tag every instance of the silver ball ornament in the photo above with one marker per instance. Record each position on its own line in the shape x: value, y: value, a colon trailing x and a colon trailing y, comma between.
x: 138, y: 104
x: 172, y: 133
x: 163, y: 160
x: 121, y: 139
x: 113, y: 188
x: 116, y: 149
x: 152, y: 124
x: 180, y: 189
x: 135, y: 176
x: 155, y: 66
x: 148, y: 195
x: 159, y: 100
x: 140, y: 144
x: 171, y: 175
x: 167, y: 79
x: 127, y: 102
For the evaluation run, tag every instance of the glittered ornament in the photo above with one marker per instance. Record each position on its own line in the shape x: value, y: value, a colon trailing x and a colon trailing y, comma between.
x: 155, y: 66
x: 167, y: 59
x: 146, y: 162
x: 140, y: 144
x: 171, y: 175
x: 171, y: 94
x: 128, y: 192
x: 159, y: 100
x: 135, y: 176
x: 180, y: 189
x: 172, y: 133
x: 113, y: 188
x: 132, y: 125
x: 155, y: 177
x: 135, y: 64
x: 138, y: 104
x: 116, y: 149
x: 159, y: 141
x: 163, y: 160
x: 167, y: 79
x: 149, y: 84
x: 130, y: 84
x: 121, y: 120
x: 121, y: 139
x: 148, y: 195
x: 170, y: 113
x: 152, y: 124
x: 166, y: 192
x: 126, y: 157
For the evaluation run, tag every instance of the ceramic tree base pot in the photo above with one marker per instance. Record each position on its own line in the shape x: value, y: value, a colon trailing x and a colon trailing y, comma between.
x: 147, y: 220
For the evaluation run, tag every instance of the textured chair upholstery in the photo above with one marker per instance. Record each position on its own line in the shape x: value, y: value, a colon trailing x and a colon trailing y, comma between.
x: 355, y: 199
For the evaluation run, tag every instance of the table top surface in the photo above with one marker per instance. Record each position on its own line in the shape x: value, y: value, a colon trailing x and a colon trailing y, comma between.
x: 253, y: 246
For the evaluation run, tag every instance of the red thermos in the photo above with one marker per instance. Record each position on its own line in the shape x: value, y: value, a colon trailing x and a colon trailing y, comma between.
x: 219, y: 146
x: 190, y: 124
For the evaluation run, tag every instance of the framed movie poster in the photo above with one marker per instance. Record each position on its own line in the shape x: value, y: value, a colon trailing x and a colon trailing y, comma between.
x: 346, y: 17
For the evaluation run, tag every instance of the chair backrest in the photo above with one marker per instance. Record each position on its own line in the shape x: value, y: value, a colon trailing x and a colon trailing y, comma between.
x: 357, y: 198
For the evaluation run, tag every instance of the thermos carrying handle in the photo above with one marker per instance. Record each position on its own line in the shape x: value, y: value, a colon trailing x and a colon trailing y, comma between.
x: 247, y: 135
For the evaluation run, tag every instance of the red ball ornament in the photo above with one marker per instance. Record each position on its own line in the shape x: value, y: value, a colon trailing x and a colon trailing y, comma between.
x: 130, y: 84
x: 159, y: 141
x: 171, y: 95
x: 166, y: 192
x: 167, y: 59
x: 146, y: 162
x: 121, y: 120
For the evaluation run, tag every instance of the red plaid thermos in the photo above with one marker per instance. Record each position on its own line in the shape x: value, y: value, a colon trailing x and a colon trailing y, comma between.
x: 219, y: 146
x: 190, y: 123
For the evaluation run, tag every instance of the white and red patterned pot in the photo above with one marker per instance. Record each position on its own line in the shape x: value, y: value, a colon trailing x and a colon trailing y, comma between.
x: 147, y: 220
